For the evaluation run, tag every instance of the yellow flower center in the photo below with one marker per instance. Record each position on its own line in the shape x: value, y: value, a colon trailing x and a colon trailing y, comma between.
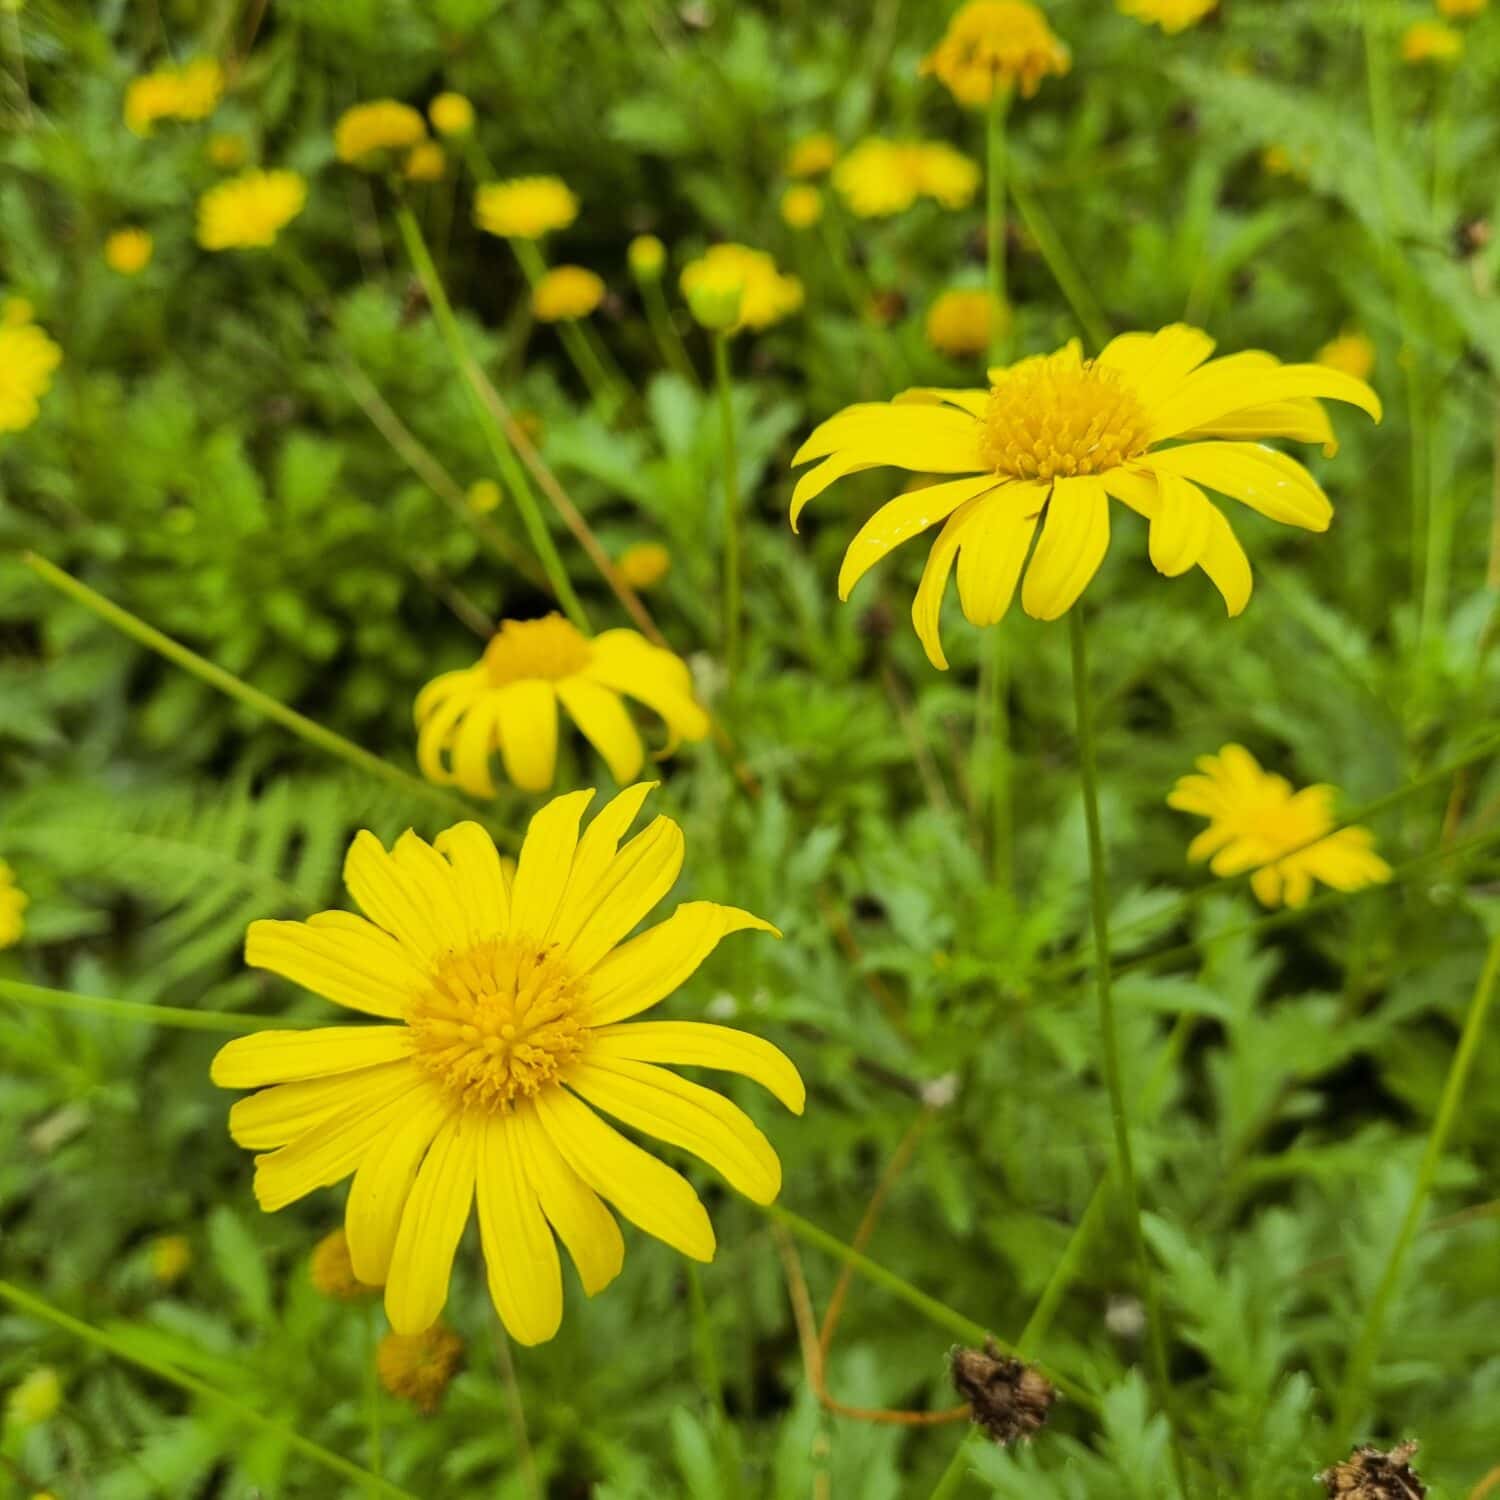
x: 1057, y: 415
x: 549, y: 649
x: 1280, y: 820
x: 500, y: 1020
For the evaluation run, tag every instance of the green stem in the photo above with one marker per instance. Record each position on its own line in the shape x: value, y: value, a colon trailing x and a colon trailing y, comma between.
x: 958, y: 1467
x: 994, y: 238
x: 711, y: 1377
x: 372, y: 1393
x: 40, y: 998
x: 34, y: 1307
x: 664, y: 330
x: 731, y: 509
x: 1108, y: 1036
x: 1069, y: 279
x: 1362, y: 1361
x: 511, y: 471
x: 859, y: 292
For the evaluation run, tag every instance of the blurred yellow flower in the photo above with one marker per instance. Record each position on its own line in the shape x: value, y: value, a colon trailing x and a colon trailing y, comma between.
x: 331, y: 1271
x: 748, y: 279
x: 524, y: 208
x: 1431, y: 41
x: 501, y: 997
x: 1171, y: 15
x: 644, y: 564
x: 1053, y: 439
x: 812, y: 155
x: 801, y: 206
x: 249, y: 211
x: 1351, y: 352
x: 945, y: 175
x: 191, y: 92
x: 425, y: 162
x: 566, y: 293
x: 35, y: 1398
x: 484, y: 495
x: 646, y: 255
x: 881, y: 177
x: 508, y: 700
x: 961, y: 321
x: 995, y: 46
x: 365, y: 133
x: 1458, y: 10
x: 418, y: 1367
x: 128, y: 251
x: 227, y: 151
x: 27, y: 359
x: 169, y: 1256
x: 1257, y: 822
x: 451, y: 114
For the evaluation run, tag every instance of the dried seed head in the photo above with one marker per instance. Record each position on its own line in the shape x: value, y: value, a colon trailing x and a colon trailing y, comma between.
x: 1369, y: 1474
x: 1009, y: 1398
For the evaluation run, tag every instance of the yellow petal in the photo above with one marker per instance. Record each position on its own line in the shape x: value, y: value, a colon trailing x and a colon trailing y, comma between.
x: 685, y: 1115
x: 1226, y: 386
x: 812, y: 484
x: 974, y: 402
x: 927, y: 606
x: 601, y: 716
x: 277, y: 1115
x: 1075, y: 537
x: 341, y: 957
x: 476, y: 740
x: 479, y: 879
x: 921, y: 436
x: 993, y: 549
x: 433, y: 889
x: 699, y: 1045
x: 545, y: 861
x: 1155, y: 364
x: 436, y: 736
x: 648, y: 1192
x: 1267, y: 481
x: 445, y: 686
x: 1224, y: 560
x: 1302, y: 421
x: 289, y: 1056
x: 1266, y: 883
x: 437, y: 1208
x: 595, y: 853
x: 626, y: 663
x: 638, y: 877
x: 520, y: 1255
x: 1181, y: 526
x: 397, y: 895
x: 526, y: 725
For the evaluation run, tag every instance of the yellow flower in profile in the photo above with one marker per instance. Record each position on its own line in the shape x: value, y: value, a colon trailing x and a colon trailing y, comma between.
x: 1053, y: 439
x: 27, y: 361
x: 801, y: 206
x: 451, y: 114
x: 524, y: 208
x: 35, y: 1398
x: 249, y: 211
x: 508, y: 700
x: 945, y: 175
x: 647, y: 256
x: 565, y: 294
x: 484, y: 495
x: 227, y: 151
x: 502, y: 999
x: 425, y: 162
x: 812, y: 155
x: 1257, y: 822
x: 765, y: 295
x: 644, y: 564
x: 995, y: 46
x: 1431, y: 41
x: 128, y: 251
x: 962, y: 321
x: 1171, y: 15
x: 365, y: 133
x: 169, y: 1256
x: 1351, y: 352
x: 191, y: 92
x: 1459, y: 10
x: 418, y: 1367
x: 882, y: 177
x: 331, y: 1270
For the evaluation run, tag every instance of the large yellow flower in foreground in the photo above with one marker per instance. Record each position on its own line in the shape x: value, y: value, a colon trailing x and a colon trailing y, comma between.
x: 996, y: 45
x: 508, y: 700
x: 248, y: 212
x: 525, y: 208
x: 1257, y: 822
x: 27, y: 359
x: 366, y: 132
x: 12, y: 903
x: 502, y: 997
x: 1053, y: 439
x: 1171, y: 15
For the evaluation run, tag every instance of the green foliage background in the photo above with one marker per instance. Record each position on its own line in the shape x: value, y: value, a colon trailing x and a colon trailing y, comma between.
x: 206, y: 461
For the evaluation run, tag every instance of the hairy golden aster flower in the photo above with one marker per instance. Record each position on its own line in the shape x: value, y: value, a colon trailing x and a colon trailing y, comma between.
x: 644, y: 564
x: 994, y: 46
x: 647, y: 257
x: 451, y: 114
x: 366, y: 134
x: 425, y: 162
x: 524, y: 208
x: 128, y: 251
x: 801, y: 206
x: 1431, y: 42
x: 248, y: 212
x: 331, y: 1270
x: 1257, y: 822
x: 881, y: 177
x: 962, y: 321
x: 191, y: 92
x: 565, y: 294
x: 1171, y: 15
x: 1053, y: 439
x: 812, y: 155
x: 28, y: 359
x: 418, y: 1367
x: 746, y: 282
x: 502, y: 995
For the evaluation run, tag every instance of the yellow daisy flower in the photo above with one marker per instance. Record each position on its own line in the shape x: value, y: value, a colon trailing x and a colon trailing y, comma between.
x: 249, y: 211
x: 200, y: 86
x: 812, y: 155
x: 995, y: 45
x: 1257, y: 822
x: 425, y: 162
x: 1171, y: 15
x: 524, y: 208
x: 945, y: 175
x: 801, y: 206
x: 27, y: 360
x: 128, y: 251
x: 191, y: 92
x: 764, y: 295
x: 418, y: 1367
x: 503, y: 997
x: 1058, y: 435
x: 509, y: 700
x: 366, y: 132
x: 644, y: 564
x: 961, y: 322
x: 1353, y: 353
x: 1431, y: 41
x: 565, y: 294
x: 451, y: 114
x: 882, y: 177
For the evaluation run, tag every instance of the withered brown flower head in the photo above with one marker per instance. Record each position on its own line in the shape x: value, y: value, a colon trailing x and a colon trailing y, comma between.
x: 1369, y: 1474
x: 1008, y: 1398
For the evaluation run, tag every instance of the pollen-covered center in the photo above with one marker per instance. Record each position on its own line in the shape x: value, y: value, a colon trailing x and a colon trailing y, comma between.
x: 500, y: 1022
x: 550, y: 648
x: 1058, y: 415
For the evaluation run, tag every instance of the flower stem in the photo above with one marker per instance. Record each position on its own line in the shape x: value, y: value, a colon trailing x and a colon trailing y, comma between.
x: 41, y: 998
x: 1069, y: 279
x: 511, y: 471
x: 664, y: 330
x: 994, y: 238
x: 958, y: 1468
x: 711, y: 1378
x: 1362, y: 1361
x: 1108, y: 1036
x: 731, y: 509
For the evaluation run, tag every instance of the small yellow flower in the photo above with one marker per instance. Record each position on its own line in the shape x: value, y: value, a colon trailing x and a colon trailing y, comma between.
x: 881, y: 177
x: 644, y: 564
x: 996, y: 45
x: 1056, y: 437
x: 1458, y: 10
x: 945, y: 175
x: 508, y: 700
x: 484, y: 495
x: 1257, y: 822
x: 366, y: 133
x: 1171, y: 15
x: 417, y: 1367
x: 248, y: 211
x: 27, y: 359
x: 812, y: 155
x: 451, y: 114
x: 227, y: 151
x: 501, y: 998
x: 647, y: 256
x: 169, y: 1256
x: 801, y: 206
x: 331, y: 1270
x: 1351, y: 352
x: 961, y: 322
x: 200, y: 87
x: 748, y: 279
x: 128, y: 251
x: 191, y: 92
x: 565, y: 294
x: 1431, y: 41
x: 35, y: 1398
x: 525, y: 208
x: 425, y: 162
